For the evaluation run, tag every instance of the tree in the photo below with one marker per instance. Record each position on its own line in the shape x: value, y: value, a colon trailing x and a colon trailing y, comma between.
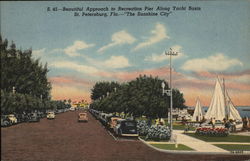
x: 147, y: 98
x: 20, y: 70
x: 100, y: 89
x: 178, y: 99
x: 142, y: 96
x: 28, y: 76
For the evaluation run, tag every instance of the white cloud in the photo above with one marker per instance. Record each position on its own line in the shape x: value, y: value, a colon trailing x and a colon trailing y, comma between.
x: 39, y: 52
x: 57, y: 50
x: 117, y: 62
x: 163, y: 56
x: 75, y: 66
x: 242, y: 79
x: 158, y: 34
x: 78, y: 45
x: 217, y: 62
x: 156, y: 57
x: 119, y: 38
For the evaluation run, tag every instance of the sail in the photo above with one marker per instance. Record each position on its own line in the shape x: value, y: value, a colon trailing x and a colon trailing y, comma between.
x: 197, y: 111
x: 217, y: 106
x: 221, y: 105
x: 233, y: 112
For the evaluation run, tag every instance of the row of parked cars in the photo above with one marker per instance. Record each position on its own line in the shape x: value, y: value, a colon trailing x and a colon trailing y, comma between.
x: 12, y: 119
x: 119, y: 126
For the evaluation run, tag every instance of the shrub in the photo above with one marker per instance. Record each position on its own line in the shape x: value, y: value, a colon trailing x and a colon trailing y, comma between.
x: 221, y: 132
x: 158, y: 132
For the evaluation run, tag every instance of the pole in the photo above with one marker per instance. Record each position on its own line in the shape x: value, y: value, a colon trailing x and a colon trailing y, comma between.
x: 225, y: 100
x: 170, y: 53
x: 171, y: 98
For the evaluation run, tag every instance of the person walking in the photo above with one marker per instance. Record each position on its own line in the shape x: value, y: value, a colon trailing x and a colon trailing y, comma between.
x: 213, y: 122
x: 227, y: 125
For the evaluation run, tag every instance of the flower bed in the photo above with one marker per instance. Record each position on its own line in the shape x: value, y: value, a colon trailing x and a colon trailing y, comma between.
x: 142, y: 128
x: 155, y: 132
x: 158, y: 132
x: 212, y: 131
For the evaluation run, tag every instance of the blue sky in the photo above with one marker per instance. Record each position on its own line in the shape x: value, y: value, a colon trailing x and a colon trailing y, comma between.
x: 83, y: 50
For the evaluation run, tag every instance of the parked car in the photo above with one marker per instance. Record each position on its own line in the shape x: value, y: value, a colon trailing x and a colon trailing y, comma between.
x: 12, y: 118
x: 72, y: 109
x: 5, y: 121
x: 19, y: 118
x: 41, y: 114
x: 126, y: 128
x: 34, y: 117
x: 82, y: 117
x: 51, y: 115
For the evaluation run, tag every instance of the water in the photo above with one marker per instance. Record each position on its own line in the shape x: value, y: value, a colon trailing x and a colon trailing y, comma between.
x: 244, y: 111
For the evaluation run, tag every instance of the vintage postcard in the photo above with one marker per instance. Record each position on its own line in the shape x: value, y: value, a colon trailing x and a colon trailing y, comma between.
x: 125, y: 80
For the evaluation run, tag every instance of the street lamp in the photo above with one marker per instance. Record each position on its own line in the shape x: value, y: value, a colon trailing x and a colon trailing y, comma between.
x: 169, y: 92
x: 13, y: 90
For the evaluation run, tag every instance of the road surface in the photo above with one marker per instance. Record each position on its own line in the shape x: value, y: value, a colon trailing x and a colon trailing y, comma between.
x: 64, y: 139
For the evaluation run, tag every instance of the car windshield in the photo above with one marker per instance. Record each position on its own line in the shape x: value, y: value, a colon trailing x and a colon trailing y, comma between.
x: 129, y: 123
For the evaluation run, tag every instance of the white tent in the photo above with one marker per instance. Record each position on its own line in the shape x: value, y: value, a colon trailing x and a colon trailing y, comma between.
x: 198, y: 114
x: 221, y: 105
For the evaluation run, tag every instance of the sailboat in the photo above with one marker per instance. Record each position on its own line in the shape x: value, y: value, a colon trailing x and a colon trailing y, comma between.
x: 221, y: 106
x: 198, y: 114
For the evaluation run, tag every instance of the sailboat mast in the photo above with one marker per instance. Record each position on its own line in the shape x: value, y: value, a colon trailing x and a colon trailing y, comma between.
x: 224, y: 93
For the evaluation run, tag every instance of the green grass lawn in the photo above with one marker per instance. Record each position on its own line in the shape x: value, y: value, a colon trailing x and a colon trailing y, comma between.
x: 172, y: 147
x: 144, y: 138
x: 230, y: 138
x: 234, y: 147
x: 182, y: 127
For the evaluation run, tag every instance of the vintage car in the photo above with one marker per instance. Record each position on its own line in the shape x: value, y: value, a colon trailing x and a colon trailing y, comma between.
x: 34, y: 117
x: 82, y: 117
x: 5, y: 121
x: 72, y: 109
x: 51, y: 115
x: 12, y: 118
x: 126, y: 128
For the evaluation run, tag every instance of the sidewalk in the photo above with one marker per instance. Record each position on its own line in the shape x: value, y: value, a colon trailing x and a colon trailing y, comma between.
x: 199, y: 146
x: 196, y: 144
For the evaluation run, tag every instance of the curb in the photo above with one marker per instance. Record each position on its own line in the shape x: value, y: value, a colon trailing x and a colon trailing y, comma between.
x: 192, y: 152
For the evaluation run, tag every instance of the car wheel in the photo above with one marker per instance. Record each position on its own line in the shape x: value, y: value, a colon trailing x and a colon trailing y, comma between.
x: 119, y: 132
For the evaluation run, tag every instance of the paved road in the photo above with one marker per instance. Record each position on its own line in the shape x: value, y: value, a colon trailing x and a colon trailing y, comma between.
x: 64, y: 139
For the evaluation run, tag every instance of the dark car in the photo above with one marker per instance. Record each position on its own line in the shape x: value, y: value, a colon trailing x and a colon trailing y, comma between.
x: 19, y: 118
x: 41, y: 114
x: 126, y: 128
x: 5, y: 121
x: 34, y: 117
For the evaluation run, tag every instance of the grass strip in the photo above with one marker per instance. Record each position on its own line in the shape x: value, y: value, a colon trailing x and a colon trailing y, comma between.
x: 230, y: 138
x: 172, y: 147
x: 182, y: 127
x: 232, y: 147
